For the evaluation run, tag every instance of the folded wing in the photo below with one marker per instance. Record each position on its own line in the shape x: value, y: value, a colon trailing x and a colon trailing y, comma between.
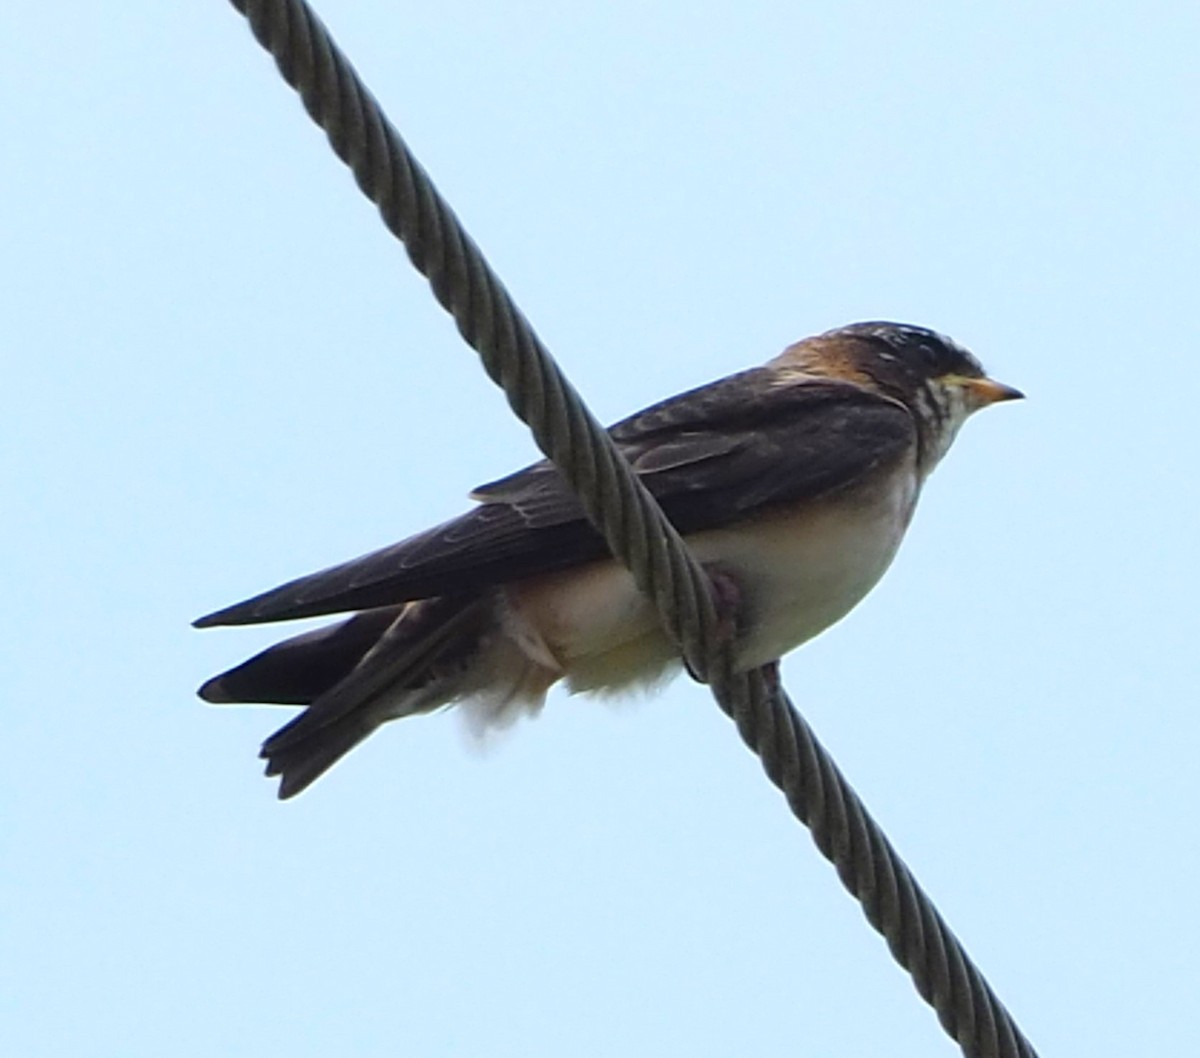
x: 711, y: 457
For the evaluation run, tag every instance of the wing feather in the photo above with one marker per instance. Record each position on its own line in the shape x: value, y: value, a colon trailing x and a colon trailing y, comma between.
x: 713, y: 456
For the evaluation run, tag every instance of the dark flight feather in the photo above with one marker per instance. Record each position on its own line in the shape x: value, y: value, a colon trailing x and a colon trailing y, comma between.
x: 712, y: 457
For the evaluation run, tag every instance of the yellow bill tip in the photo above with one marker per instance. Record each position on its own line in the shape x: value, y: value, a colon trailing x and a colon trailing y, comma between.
x: 985, y: 391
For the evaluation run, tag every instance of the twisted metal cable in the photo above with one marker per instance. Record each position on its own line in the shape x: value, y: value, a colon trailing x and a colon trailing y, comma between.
x: 635, y: 528
x: 489, y: 320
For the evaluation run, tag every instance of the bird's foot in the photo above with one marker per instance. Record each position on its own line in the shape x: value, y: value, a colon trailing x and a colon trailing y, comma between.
x: 726, y: 595
x: 771, y: 675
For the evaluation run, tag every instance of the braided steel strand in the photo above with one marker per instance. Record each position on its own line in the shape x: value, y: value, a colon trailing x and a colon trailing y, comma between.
x: 630, y: 520
x: 870, y: 868
x: 488, y: 319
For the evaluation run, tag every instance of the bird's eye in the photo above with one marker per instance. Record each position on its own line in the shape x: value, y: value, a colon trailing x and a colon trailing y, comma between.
x: 929, y: 357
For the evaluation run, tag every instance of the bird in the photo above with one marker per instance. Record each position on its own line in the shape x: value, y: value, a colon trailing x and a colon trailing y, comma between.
x: 792, y: 483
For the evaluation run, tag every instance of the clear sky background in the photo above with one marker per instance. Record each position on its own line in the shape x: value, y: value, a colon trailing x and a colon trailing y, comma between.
x: 220, y: 372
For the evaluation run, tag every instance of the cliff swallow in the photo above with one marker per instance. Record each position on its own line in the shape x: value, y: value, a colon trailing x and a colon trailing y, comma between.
x: 793, y: 483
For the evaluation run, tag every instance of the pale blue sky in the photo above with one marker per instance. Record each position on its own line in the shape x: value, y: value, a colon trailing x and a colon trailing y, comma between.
x: 220, y: 372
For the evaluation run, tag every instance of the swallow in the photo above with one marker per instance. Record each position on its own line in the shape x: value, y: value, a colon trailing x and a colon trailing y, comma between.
x: 792, y: 483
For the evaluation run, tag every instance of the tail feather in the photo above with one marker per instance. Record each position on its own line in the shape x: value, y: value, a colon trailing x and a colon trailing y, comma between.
x: 405, y: 666
x: 299, y: 670
x: 393, y: 663
x: 380, y: 665
x: 300, y: 764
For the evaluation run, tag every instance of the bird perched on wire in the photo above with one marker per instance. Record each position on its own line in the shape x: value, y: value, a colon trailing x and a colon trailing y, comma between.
x: 793, y: 484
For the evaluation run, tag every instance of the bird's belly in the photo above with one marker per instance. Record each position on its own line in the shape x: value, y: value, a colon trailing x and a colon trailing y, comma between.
x: 799, y: 571
x: 579, y: 613
x: 803, y: 571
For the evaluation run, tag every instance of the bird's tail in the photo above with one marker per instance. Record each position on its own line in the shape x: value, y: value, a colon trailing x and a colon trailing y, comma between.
x: 353, y: 676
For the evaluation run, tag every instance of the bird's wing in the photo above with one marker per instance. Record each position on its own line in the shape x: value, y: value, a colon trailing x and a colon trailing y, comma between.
x: 713, y: 456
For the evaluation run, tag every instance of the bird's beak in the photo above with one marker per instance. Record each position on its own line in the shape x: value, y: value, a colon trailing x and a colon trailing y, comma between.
x: 985, y: 391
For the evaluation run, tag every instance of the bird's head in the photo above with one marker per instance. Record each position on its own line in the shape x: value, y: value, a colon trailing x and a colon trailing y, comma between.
x: 940, y: 381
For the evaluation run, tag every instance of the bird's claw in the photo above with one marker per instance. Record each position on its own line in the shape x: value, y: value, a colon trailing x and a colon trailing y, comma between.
x: 726, y: 595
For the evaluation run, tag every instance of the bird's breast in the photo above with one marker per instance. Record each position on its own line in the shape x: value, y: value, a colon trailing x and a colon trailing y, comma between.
x: 803, y: 568
x: 799, y: 569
